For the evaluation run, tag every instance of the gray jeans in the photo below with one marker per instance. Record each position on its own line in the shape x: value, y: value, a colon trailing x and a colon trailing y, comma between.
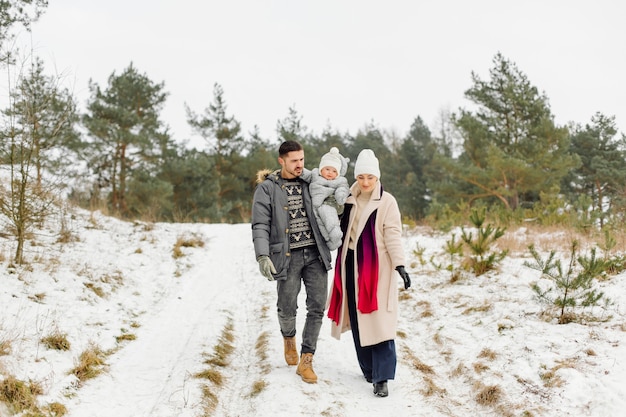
x: 305, y: 266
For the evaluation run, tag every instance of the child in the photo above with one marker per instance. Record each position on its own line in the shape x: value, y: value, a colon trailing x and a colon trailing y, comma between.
x: 329, y: 191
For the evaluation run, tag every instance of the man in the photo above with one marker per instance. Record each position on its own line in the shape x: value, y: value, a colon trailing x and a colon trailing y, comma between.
x: 291, y: 250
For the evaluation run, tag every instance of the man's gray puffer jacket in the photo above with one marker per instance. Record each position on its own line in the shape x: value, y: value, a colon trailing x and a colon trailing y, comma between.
x: 270, y: 222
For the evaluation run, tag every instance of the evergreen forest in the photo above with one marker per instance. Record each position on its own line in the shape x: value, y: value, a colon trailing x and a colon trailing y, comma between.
x: 506, y: 154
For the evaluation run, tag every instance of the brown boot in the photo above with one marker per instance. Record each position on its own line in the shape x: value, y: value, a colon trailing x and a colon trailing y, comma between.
x: 291, y: 352
x: 305, y: 368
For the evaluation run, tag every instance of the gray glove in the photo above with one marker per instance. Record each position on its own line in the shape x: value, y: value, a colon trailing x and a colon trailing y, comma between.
x: 266, y: 267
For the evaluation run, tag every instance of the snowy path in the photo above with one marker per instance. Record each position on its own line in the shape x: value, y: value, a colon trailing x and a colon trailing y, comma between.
x: 152, y: 376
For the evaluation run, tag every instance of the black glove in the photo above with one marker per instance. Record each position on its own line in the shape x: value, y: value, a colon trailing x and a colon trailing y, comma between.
x: 405, y: 276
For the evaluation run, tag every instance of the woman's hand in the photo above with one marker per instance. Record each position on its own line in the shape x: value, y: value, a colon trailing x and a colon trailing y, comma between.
x: 405, y: 276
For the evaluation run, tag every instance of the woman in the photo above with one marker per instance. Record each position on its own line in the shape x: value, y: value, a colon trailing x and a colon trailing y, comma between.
x: 364, y: 296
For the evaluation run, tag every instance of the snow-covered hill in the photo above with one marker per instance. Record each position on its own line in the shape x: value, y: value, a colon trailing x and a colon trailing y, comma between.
x: 158, y: 308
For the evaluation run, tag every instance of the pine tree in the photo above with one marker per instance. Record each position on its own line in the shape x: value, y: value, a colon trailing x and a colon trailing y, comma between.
x: 225, y: 144
x: 194, y: 188
x: 415, y: 153
x: 603, y: 162
x: 512, y: 148
x: 291, y: 127
x: 125, y: 132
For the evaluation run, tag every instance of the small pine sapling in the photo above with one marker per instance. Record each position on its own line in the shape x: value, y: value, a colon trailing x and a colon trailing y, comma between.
x: 482, y: 258
x: 453, y: 249
x: 573, y: 288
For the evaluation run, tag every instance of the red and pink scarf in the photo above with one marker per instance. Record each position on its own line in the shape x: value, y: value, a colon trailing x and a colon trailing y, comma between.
x: 367, y: 263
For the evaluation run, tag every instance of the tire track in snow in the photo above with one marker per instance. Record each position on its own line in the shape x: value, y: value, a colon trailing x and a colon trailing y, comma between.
x: 151, y: 376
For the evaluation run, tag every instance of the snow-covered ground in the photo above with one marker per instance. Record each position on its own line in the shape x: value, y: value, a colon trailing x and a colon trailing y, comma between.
x: 458, y: 342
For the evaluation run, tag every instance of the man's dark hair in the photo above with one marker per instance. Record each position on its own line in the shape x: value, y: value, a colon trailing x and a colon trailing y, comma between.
x: 288, y: 146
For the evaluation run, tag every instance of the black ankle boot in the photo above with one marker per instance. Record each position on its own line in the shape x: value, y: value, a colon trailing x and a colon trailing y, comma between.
x: 380, y: 389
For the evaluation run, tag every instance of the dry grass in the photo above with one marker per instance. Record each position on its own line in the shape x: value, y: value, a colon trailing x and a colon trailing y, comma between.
x: 460, y: 370
x: 90, y: 364
x: 551, y: 378
x: 418, y: 364
x: 258, y: 387
x: 114, y: 279
x: 38, y: 298
x: 543, y: 237
x: 209, y: 401
x: 480, y: 367
x: 96, y: 289
x: 125, y: 337
x: 430, y: 388
x: 484, y: 307
x: 261, y: 346
x: 404, y: 295
x: 488, y: 354
x: 186, y: 241
x: 489, y: 395
x: 427, y: 310
x: 220, y: 358
x: 19, y: 395
x: 67, y: 236
x: 56, y: 340
x: 212, y: 375
x: 5, y: 347
x: 55, y: 409
x: 546, y: 238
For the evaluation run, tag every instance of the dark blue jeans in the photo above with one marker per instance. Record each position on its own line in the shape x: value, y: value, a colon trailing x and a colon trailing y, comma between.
x: 305, y: 266
x: 377, y: 362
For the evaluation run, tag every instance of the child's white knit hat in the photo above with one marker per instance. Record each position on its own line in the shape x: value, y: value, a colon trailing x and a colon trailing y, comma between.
x: 331, y: 159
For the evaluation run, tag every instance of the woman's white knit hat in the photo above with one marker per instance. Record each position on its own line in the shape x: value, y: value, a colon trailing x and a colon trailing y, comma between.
x: 366, y: 163
x: 331, y: 159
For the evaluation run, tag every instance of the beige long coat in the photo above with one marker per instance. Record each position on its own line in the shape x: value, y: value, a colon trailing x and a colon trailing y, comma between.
x: 380, y: 325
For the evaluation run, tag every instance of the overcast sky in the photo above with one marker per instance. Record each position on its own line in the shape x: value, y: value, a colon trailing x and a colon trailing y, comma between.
x: 342, y: 63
